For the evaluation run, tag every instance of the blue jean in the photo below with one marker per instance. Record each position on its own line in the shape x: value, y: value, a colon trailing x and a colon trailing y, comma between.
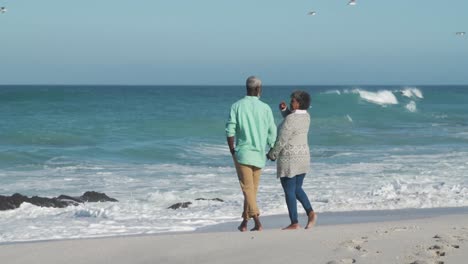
x: 293, y: 190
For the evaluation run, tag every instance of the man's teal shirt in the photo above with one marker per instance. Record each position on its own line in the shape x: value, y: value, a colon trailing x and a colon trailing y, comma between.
x: 251, y: 123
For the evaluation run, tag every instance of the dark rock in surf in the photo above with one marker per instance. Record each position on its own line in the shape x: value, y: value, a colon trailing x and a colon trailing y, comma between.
x: 179, y: 205
x: 186, y: 204
x: 70, y: 199
x: 14, y: 201
x: 96, y: 197
x: 11, y: 202
x: 47, y: 202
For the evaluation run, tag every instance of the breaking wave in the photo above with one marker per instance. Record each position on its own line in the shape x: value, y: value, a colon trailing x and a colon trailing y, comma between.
x: 383, y: 97
x: 412, y: 92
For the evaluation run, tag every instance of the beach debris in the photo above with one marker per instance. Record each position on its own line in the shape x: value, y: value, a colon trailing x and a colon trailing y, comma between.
x: 352, y: 2
x: 460, y: 33
x: 186, y: 204
x: 312, y: 13
x: 3, y: 9
x: 14, y: 201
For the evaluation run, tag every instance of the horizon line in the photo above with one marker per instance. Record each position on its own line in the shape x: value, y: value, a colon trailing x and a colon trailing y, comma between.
x: 381, y: 84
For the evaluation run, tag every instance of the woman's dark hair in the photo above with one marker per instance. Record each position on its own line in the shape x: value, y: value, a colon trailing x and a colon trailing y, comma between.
x: 303, y: 98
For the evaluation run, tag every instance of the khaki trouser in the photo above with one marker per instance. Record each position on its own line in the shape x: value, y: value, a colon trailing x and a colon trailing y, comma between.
x: 249, y: 178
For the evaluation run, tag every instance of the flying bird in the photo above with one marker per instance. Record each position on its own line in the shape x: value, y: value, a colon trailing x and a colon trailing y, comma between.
x: 3, y: 9
x: 312, y: 13
x: 460, y: 33
x: 352, y: 2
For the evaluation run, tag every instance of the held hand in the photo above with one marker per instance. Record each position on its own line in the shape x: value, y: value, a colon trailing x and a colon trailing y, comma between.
x: 269, y: 156
x: 282, y: 106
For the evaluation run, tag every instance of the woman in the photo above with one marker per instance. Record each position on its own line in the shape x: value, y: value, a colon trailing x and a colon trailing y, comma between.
x: 291, y: 151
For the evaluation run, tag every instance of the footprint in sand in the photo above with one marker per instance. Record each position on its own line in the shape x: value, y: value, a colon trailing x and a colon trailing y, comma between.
x: 450, y: 242
x: 353, y: 245
x: 342, y: 261
x: 426, y: 262
x: 350, y: 248
x: 444, y: 244
x: 437, y: 250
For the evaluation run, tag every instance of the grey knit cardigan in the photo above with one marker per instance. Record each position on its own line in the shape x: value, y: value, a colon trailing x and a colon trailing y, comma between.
x: 291, y: 150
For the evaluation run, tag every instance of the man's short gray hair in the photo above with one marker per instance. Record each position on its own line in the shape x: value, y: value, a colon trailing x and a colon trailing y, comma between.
x: 253, y: 83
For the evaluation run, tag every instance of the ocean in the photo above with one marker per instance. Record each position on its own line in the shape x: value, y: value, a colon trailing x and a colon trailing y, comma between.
x: 372, y: 148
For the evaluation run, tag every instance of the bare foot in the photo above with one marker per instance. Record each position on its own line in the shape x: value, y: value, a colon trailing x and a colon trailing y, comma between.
x: 258, y: 224
x: 257, y: 228
x: 312, y: 220
x: 292, y: 227
x: 243, y: 226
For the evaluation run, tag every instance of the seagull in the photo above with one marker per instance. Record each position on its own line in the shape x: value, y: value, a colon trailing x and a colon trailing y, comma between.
x: 312, y: 13
x: 461, y: 33
x: 352, y: 2
x: 3, y: 9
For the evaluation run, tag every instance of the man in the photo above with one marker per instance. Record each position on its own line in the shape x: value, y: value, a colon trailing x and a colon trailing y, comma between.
x: 252, y: 125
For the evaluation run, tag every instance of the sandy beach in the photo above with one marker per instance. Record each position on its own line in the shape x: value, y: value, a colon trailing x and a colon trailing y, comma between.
x: 403, y: 236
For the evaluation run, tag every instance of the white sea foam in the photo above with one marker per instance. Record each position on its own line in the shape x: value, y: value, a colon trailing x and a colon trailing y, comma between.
x: 333, y: 92
x: 411, y: 92
x: 87, y: 212
x: 381, y: 180
x: 383, y: 97
x: 163, y: 197
x: 443, y: 116
x: 411, y: 106
x: 463, y: 135
x: 212, y: 150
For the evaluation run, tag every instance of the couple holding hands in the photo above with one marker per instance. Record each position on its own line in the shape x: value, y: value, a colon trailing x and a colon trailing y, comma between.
x: 251, y: 125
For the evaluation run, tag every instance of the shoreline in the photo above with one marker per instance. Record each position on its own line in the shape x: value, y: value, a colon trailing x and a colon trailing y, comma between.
x: 438, y: 235
x: 276, y: 222
x: 340, y: 218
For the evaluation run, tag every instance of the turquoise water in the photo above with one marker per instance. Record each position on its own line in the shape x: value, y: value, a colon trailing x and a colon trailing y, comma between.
x: 160, y: 124
x: 372, y: 147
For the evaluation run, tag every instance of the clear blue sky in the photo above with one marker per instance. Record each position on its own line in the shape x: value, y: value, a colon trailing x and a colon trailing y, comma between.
x: 222, y: 42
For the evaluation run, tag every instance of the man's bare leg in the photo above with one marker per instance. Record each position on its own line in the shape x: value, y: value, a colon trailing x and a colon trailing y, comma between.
x: 258, y: 224
x: 243, y: 226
